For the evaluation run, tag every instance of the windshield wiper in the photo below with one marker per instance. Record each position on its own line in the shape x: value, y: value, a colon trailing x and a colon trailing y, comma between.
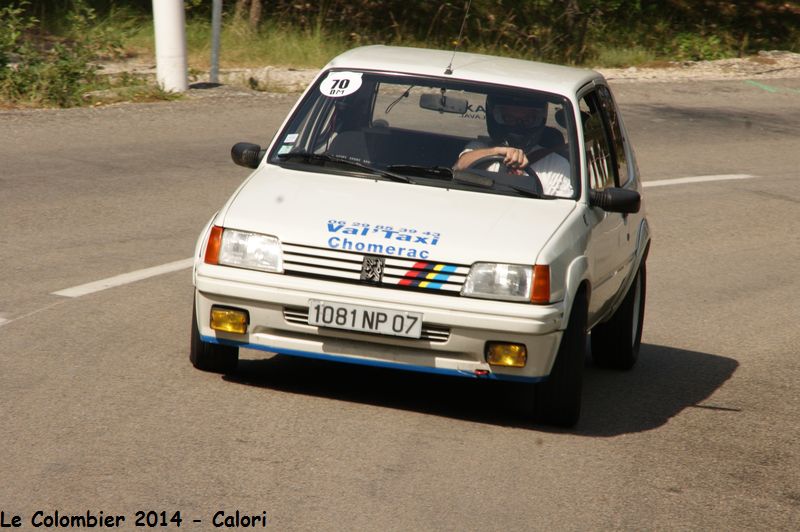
x: 440, y: 172
x: 471, y: 177
x: 524, y: 191
x: 327, y: 158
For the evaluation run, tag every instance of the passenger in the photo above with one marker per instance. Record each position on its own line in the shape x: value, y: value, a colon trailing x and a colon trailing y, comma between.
x: 515, y: 127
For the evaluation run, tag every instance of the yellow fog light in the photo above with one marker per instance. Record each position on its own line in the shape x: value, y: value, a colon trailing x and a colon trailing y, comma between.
x: 229, y: 320
x: 511, y: 355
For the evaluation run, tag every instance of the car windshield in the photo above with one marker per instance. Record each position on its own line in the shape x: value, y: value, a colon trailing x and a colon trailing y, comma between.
x: 417, y: 130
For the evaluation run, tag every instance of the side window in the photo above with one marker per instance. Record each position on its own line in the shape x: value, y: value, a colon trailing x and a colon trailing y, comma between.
x: 610, y: 110
x: 600, y: 161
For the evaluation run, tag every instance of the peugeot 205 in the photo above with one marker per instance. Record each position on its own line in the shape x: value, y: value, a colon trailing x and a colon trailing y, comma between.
x: 434, y: 211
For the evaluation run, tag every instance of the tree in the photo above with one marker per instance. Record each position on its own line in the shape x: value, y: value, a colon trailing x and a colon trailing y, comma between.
x: 254, y: 7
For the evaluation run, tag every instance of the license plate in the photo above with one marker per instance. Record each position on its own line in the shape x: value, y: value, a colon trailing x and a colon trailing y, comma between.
x: 364, y: 319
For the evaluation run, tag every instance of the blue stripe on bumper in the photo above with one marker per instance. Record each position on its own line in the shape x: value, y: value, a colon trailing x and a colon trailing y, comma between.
x: 373, y: 363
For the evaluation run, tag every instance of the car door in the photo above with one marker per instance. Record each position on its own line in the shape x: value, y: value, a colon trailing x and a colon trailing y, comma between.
x: 609, y: 239
x: 626, y: 178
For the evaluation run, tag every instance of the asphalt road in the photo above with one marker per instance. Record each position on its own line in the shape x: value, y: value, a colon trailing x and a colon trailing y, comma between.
x: 101, y: 411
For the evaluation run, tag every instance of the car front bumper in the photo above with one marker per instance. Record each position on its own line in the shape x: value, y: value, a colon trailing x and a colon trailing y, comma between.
x: 455, y: 329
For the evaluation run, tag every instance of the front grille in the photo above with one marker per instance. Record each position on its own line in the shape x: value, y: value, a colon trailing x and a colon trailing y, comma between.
x: 398, y: 272
x: 299, y: 316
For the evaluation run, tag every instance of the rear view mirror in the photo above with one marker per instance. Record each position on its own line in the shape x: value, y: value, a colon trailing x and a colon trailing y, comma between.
x: 247, y: 154
x: 443, y: 103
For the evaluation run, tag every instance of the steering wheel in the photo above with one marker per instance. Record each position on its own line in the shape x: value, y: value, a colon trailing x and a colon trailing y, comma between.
x: 508, y: 178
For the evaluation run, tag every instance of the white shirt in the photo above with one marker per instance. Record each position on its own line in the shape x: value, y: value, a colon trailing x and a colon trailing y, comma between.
x: 553, y: 171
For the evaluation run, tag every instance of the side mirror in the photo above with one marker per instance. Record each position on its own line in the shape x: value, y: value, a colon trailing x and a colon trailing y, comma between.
x: 619, y: 200
x: 247, y: 154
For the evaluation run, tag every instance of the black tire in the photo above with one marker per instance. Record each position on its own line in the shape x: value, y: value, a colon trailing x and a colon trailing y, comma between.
x: 558, y: 399
x: 205, y: 356
x: 615, y: 343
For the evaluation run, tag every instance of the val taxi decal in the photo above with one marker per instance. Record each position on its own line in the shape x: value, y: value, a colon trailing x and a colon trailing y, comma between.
x: 379, y: 239
x: 338, y: 84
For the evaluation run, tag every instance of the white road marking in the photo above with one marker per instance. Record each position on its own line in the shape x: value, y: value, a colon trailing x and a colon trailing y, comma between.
x: 125, y: 278
x: 138, y: 275
x: 696, y: 179
x: 4, y: 321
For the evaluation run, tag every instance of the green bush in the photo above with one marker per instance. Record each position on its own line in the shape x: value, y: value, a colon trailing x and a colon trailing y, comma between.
x: 37, y: 72
x: 698, y: 47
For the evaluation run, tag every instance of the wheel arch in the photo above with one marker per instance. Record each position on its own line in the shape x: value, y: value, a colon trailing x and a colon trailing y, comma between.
x: 643, y: 242
x: 577, y: 279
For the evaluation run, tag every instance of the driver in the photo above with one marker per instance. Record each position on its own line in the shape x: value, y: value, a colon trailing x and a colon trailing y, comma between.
x: 515, y: 126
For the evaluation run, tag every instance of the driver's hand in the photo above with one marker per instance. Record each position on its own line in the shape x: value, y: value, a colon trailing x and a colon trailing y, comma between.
x: 514, y: 157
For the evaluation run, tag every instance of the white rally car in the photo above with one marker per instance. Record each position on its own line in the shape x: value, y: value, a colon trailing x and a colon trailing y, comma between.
x: 433, y: 211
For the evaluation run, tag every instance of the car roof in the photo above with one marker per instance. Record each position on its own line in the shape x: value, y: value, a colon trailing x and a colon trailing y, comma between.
x: 467, y: 66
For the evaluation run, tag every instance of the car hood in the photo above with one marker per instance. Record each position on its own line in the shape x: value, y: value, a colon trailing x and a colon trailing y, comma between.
x: 394, y: 219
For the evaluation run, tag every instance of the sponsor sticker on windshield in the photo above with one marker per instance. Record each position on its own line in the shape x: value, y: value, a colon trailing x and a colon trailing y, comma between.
x: 338, y: 84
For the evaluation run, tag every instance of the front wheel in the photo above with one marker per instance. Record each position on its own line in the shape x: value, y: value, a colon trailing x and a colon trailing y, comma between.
x: 558, y: 399
x: 205, y: 356
x: 615, y: 343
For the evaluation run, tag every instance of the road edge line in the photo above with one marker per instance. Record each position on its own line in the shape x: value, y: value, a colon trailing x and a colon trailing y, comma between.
x: 125, y: 278
x: 695, y: 179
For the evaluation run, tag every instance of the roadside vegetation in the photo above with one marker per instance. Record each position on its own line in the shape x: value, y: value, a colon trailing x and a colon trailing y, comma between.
x: 50, y: 49
x: 57, y: 66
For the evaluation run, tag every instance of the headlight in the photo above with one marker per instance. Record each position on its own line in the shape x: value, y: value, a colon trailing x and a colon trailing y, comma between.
x: 510, y: 282
x: 250, y: 250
